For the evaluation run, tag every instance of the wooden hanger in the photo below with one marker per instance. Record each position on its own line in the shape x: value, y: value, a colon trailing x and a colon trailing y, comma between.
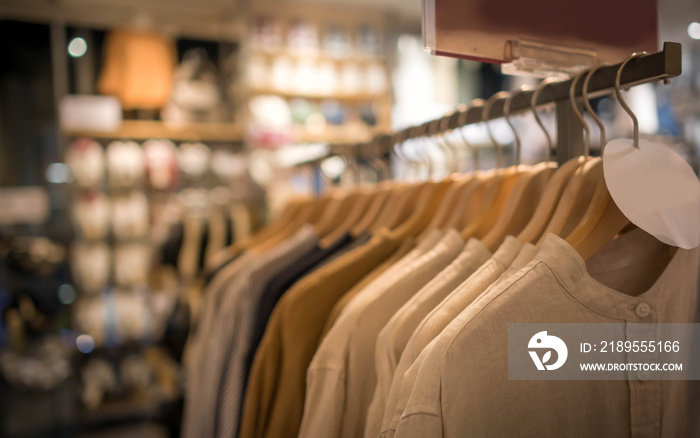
x: 472, y: 193
x: 409, y: 213
x: 459, y: 181
x: 522, y: 201
x: 359, y: 209
x: 496, y: 197
x: 575, y: 199
x: 549, y: 200
x: 398, y: 207
x: 556, y: 183
x: 336, y: 213
x: 217, y: 236
x: 423, y: 211
x: 359, y: 206
x: 375, y: 208
x: 580, y: 189
x: 521, y: 204
x: 443, y: 210
x: 469, y: 200
x: 499, y: 188
x: 603, y: 220
x: 310, y: 217
x: 293, y: 208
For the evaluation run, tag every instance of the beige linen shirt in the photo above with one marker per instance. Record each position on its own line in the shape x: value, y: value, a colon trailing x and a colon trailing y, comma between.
x: 340, y: 379
x: 406, y: 247
x: 388, y: 276
x: 396, y: 333
x: 463, y: 384
x: 439, y: 318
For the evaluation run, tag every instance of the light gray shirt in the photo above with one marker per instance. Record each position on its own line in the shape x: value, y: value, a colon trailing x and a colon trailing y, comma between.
x: 217, y: 403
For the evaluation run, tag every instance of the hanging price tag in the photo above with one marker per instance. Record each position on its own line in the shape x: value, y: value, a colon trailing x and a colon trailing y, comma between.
x: 655, y: 189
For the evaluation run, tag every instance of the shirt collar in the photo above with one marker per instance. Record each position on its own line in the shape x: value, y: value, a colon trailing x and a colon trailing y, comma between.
x: 570, y: 270
x: 477, y: 249
x: 505, y: 254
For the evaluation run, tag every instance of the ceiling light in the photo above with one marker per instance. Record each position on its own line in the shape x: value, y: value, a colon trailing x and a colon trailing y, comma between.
x: 694, y: 30
x: 77, y: 47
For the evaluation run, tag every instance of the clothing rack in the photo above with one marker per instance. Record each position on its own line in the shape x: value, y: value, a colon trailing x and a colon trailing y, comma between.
x: 648, y: 68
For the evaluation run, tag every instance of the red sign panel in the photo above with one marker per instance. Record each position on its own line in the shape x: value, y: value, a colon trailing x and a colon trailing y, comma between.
x: 485, y: 29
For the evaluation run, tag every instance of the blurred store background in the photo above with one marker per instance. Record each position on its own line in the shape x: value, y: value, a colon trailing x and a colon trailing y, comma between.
x: 139, y: 138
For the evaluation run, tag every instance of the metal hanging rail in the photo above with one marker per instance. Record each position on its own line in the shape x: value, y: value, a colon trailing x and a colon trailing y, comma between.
x: 653, y: 67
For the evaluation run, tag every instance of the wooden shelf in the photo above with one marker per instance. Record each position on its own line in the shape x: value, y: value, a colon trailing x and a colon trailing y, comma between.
x: 361, y: 97
x: 338, y: 134
x: 318, y: 56
x: 144, y: 129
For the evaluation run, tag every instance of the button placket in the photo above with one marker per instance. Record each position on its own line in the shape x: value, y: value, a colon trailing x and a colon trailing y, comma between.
x: 644, y: 393
x: 642, y: 310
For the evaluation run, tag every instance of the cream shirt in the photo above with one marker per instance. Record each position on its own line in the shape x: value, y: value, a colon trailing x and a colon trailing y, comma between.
x: 389, y: 275
x: 340, y: 379
x: 463, y: 384
x: 439, y: 318
x: 396, y: 333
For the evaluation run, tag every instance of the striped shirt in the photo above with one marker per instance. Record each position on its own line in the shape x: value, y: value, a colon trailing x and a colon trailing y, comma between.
x: 206, y: 324
x: 216, y: 404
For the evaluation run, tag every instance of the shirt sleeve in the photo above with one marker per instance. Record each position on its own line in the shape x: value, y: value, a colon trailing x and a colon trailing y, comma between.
x: 419, y: 425
x: 262, y: 384
x: 393, y: 413
x: 323, y: 406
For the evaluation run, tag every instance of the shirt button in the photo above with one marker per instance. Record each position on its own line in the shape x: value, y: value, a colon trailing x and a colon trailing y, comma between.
x: 642, y: 310
x: 642, y: 375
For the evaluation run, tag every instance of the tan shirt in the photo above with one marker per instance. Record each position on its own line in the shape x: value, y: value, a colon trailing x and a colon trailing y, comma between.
x: 274, y: 397
x: 341, y: 378
x: 556, y: 287
x: 396, y: 333
x: 404, y: 254
x: 439, y: 318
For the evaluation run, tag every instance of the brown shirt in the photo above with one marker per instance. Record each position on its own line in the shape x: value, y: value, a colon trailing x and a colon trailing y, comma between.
x: 274, y: 397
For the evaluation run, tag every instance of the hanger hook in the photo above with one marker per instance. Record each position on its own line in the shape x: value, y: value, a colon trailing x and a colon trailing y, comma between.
x: 579, y: 116
x: 506, y: 115
x: 485, y: 113
x: 435, y: 135
x: 377, y: 151
x: 462, y: 121
x: 618, y: 93
x: 533, y: 106
x: 587, y: 105
x: 396, y: 141
x: 421, y: 150
x: 442, y: 127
